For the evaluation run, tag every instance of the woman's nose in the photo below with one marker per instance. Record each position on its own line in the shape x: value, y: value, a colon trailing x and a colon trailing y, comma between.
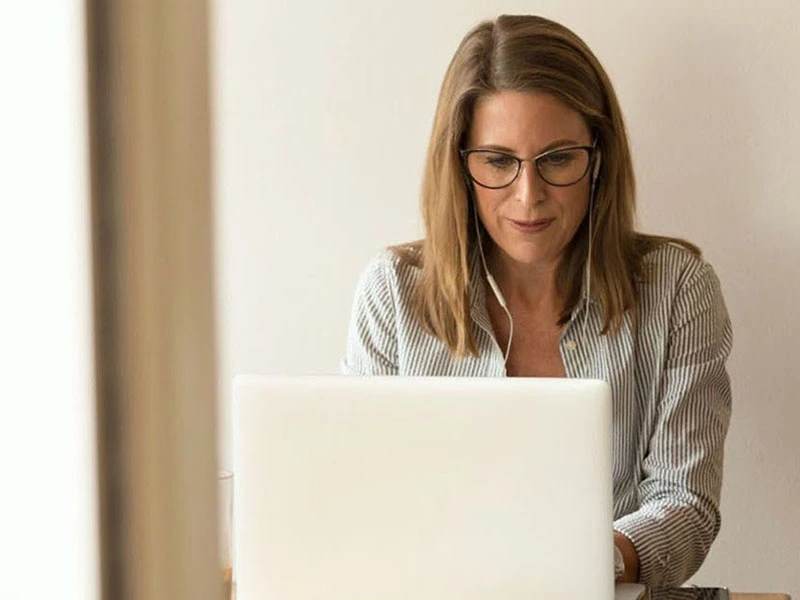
x: 530, y: 185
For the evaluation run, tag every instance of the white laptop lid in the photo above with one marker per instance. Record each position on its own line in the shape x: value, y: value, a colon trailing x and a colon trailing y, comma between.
x: 350, y: 488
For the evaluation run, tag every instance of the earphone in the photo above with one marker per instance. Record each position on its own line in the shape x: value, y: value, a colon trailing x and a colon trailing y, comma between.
x: 588, y: 283
x: 492, y: 283
x: 496, y: 288
x: 597, y: 162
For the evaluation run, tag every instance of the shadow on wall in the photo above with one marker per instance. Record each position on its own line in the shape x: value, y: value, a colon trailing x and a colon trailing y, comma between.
x: 722, y: 140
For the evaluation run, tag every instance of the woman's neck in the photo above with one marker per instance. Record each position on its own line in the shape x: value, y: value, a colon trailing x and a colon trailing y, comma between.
x: 532, y: 287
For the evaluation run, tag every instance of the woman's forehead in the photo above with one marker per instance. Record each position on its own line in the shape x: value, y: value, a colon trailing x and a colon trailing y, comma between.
x: 525, y: 122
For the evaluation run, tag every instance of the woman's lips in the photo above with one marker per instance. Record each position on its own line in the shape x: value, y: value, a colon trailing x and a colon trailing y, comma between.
x: 531, y: 226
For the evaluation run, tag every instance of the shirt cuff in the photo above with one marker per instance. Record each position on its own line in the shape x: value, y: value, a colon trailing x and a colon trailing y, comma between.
x: 652, y: 544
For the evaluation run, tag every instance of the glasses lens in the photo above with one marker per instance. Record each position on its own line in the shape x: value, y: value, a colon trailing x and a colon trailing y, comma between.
x: 564, y: 167
x: 492, y: 169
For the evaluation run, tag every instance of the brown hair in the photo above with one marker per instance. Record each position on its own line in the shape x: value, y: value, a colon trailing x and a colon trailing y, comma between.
x: 525, y: 53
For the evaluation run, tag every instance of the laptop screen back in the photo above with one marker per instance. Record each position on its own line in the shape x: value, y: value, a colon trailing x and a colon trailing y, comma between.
x: 426, y: 488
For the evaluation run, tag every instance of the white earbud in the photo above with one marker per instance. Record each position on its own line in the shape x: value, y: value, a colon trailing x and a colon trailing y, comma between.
x: 596, y: 171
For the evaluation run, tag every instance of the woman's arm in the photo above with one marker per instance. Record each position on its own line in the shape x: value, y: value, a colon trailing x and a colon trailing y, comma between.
x: 679, y: 517
x: 372, y: 336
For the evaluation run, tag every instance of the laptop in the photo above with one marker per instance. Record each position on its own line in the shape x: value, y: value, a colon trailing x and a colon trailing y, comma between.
x: 390, y: 488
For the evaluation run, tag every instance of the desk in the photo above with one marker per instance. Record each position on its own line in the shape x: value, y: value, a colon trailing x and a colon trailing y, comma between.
x: 734, y: 596
x: 631, y: 591
x: 665, y: 594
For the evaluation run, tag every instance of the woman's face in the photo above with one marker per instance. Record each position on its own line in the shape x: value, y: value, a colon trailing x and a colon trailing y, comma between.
x: 531, y: 222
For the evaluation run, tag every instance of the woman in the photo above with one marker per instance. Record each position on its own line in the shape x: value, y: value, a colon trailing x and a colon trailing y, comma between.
x: 530, y: 266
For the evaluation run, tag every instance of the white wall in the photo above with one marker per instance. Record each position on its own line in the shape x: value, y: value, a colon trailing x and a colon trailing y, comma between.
x: 323, y: 111
x: 49, y: 546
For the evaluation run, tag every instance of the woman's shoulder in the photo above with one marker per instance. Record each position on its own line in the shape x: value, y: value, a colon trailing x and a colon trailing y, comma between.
x: 672, y: 262
x: 674, y: 268
x: 391, y: 274
x: 396, y: 262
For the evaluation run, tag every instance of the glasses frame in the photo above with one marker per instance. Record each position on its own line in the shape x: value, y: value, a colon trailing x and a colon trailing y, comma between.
x: 465, y: 152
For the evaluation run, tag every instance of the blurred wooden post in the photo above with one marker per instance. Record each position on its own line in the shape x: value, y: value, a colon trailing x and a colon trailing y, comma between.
x: 152, y: 252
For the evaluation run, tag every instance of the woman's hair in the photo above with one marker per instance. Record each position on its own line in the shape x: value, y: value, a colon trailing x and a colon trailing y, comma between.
x: 525, y: 53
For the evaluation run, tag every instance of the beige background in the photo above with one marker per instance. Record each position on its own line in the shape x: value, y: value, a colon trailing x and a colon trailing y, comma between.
x: 322, y: 116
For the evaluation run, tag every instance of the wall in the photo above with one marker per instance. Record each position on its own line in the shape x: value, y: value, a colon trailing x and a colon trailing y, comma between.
x: 48, y: 503
x: 323, y: 112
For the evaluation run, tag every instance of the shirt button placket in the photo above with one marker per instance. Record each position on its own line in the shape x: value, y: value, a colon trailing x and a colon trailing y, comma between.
x: 571, y: 358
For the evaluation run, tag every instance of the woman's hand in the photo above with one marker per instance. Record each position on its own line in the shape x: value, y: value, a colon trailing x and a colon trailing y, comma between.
x: 630, y: 556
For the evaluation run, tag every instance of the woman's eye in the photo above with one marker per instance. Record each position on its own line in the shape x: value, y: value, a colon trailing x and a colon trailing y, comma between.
x: 500, y: 162
x: 558, y: 159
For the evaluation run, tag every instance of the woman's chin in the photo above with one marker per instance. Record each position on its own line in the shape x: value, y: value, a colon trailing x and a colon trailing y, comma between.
x: 526, y: 258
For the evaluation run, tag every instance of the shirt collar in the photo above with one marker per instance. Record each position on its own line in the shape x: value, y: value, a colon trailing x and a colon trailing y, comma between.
x: 477, y: 292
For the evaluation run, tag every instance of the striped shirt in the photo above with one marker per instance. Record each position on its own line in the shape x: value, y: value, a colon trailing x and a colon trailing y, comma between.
x: 671, y: 392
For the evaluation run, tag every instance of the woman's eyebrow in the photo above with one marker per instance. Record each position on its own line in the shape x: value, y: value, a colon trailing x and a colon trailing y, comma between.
x: 561, y: 143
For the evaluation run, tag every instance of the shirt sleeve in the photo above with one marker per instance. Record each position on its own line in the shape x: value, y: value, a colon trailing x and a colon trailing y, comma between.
x: 372, y: 335
x: 678, y: 516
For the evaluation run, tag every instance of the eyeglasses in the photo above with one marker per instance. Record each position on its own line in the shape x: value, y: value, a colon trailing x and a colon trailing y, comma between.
x: 560, y: 167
